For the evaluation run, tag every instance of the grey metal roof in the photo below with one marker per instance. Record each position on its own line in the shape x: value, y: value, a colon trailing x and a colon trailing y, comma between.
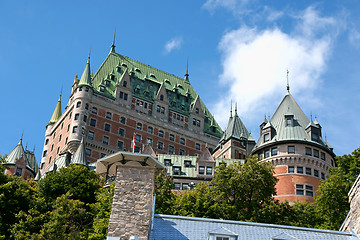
x: 287, y: 107
x: 191, y: 228
x: 28, y: 156
x: 80, y: 155
x: 236, y: 129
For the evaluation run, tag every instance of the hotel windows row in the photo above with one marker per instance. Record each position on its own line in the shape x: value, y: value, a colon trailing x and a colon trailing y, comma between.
x: 93, y: 122
x: 108, y: 116
x: 187, y: 163
x: 141, y: 104
x: 304, y: 189
x: 178, y: 117
x: 196, y: 122
x: 308, y: 171
x: 315, y: 153
x: 160, y: 109
x: 209, y: 170
x: 182, y: 186
x: 162, y: 134
x: 269, y: 152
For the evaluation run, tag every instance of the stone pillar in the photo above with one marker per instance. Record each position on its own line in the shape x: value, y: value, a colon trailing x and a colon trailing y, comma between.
x: 132, y: 203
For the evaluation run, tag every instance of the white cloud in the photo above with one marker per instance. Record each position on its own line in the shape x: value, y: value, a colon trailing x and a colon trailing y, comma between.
x: 255, y: 63
x: 354, y: 37
x: 235, y: 6
x: 174, y: 43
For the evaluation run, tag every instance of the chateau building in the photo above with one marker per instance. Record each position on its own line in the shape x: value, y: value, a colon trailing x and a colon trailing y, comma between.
x: 294, y: 145
x: 21, y: 162
x: 127, y: 105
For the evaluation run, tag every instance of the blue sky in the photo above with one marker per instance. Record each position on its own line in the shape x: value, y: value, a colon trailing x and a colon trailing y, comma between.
x: 238, y: 50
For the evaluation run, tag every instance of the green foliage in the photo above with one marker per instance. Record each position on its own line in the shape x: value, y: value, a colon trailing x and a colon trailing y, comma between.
x: 242, y: 190
x: 164, y: 197
x: 77, y: 180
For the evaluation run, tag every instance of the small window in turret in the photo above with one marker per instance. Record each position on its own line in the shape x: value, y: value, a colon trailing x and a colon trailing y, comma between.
x: 124, y: 84
x: 107, y: 83
x: 288, y: 121
x: 94, y: 110
x: 197, y: 110
x: 86, y: 106
x: 112, y: 77
x: 78, y: 104
x: 102, y: 89
x: 161, y: 97
x: 266, y: 137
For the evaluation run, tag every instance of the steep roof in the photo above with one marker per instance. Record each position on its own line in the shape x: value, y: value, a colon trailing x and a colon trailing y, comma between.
x: 86, y: 76
x: 192, y: 228
x: 295, y: 132
x: 146, y: 81
x: 80, y: 155
x: 236, y: 129
x: 57, y: 112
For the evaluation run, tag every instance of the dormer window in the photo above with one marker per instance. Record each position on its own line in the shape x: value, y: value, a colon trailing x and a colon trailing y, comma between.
x: 118, y: 69
x: 161, y: 97
x: 266, y: 137
x: 197, y: 110
x: 107, y: 83
x: 124, y: 65
x: 112, y: 77
x: 137, y: 70
x: 289, y: 121
x: 152, y: 75
x: 102, y: 89
x: 124, y: 84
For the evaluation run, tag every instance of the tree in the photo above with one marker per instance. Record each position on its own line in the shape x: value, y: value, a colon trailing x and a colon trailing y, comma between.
x: 242, y: 190
x: 164, y: 197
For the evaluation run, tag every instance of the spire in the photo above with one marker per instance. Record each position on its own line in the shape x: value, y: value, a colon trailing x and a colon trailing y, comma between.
x: 79, y: 156
x: 112, y: 50
x: 22, y: 134
x: 57, y: 112
x: 235, y: 108
x: 86, y: 77
x: 287, y: 80
x: 231, y: 109
x: 187, y: 70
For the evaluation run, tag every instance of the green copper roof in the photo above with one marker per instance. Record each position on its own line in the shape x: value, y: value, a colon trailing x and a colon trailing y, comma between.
x: 16, y: 153
x: 79, y: 156
x: 289, y: 108
x: 57, y: 112
x: 236, y: 129
x: 146, y: 81
x: 86, y: 77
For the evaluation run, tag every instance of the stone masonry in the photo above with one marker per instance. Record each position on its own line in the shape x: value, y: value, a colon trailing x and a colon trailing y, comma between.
x: 352, y: 221
x: 132, y: 203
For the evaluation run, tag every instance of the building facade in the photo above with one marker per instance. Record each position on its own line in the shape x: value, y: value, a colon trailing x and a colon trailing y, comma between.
x: 295, y: 146
x: 127, y: 105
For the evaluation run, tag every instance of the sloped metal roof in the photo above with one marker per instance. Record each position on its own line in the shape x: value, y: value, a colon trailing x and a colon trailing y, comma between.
x: 57, y: 112
x: 191, y: 228
x: 16, y: 153
x: 79, y: 156
x: 236, y: 129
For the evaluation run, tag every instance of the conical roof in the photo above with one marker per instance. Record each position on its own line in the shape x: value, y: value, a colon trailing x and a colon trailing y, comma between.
x: 206, y: 156
x: 38, y: 176
x: 86, y: 76
x: 31, y: 161
x: 57, y: 112
x: 16, y: 153
x: 235, y: 129
x: 80, y: 155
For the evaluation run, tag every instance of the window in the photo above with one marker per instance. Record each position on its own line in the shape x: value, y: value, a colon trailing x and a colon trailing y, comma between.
x: 91, y: 135
x: 161, y: 97
x: 78, y: 104
x: 87, y: 89
x: 60, y: 137
x: 160, y: 145
x: 182, y: 141
x: 291, y: 150
x: 158, y: 108
x: 139, y: 126
x: 74, y: 129
x: 323, y: 176
x: 86, y: 106
x: 201, y: 170
x: 266, y: 137
x: 308, y: 171
x: 261, y: 156
x: 68, y: 127
x: 177, y: 186
x: 150, y: 130
x: 42, y: 165
x: 18, y: 172
x: 94, y: 110
x: 62, y: 125
x: 274, y: 151
x: 107, y: 83
x: 185, y: 186
x: 44, y: 153
x: 167, y: 162
x: 108, y: 115
x: 288, y: 121
x: 46, y: 141
x: 299, y: 189
x: 52, y: 147
x: 161, y: 133
x: 222, y: 238
x: 122, y: 120
x: 197, y: 146
x: 107, y: 127
x: 121, y: 132
x: 66, y: 139
x: 300, y: 170
x: 197, y: 110
x: 291, y: 169
x: 187, y: 163
x: 85, y: 118
x: 102, y: 89
x: 308, y: 151
x: 194, y: 121
x: 149, y: 141
x: 309, y: 191
x: 121, y: 95
x: 181, y: 152
x: 137, y: 149
x: 80, y: 89
x: 171, y: 149
x: 177, y: 170
x: 125, y: 96
x: 138, y: 138
x: 322, y: 156
x: 208, y: 170
x: 316, y: 153
x: 58, y: 149
x: 93, y: 122
x: 88, y: 152
x: 172, y: 137
x: 102, y: 155
x: 267, y: 153
x: 106, y: 140
x: 162, y: 110
x: 316, y: 173
x: 120, y: 144
x: 76, y: 116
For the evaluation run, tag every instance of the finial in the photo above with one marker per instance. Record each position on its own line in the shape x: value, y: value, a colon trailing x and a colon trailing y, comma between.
x: 61, y: 91
x: 235, y: 108
x: 269, y: 116
x: 22, y: 134
x: 187, y: 70
x: 113, y: 43
x: 265, y: 119
x: 26, y: 146
x: 287, y: 79
x: 325, y: 138
x: 89, y: 54
x: 311, y: 116
x: 231, y: 108
x: 34, y: 149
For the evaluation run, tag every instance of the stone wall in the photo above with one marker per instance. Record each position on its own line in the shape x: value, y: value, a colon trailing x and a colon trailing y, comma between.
x: 352, y: 222
x: 132, y: 203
